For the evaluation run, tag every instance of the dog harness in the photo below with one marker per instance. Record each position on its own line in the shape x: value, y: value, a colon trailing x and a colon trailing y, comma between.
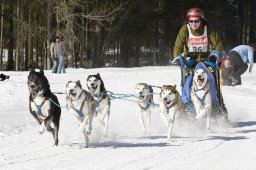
x: 148, y: 102
x: 201, y: 99
x: 79, y: 111
x: 99, y: 97
x: 39, y: 107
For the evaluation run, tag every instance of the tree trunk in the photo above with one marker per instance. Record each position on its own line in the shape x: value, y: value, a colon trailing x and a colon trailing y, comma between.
x: 17, y: 67
x: 49, y: 31
x: 162, y: 31
x: 1, y: 36
x: 10, y: 44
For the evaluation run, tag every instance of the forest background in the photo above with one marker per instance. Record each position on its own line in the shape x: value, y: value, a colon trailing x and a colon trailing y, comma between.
x: 112, y: 33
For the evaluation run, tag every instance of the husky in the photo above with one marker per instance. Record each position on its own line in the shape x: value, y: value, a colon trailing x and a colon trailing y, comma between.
x: 97, y: 89
x: 201, y: 96
x: 170, y: 104
x: 144, y: 104
x: 82, y: 106
x: 43, y: 104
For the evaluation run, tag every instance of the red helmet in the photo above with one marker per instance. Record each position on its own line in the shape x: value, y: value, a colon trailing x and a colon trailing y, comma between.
x: 195, y: 12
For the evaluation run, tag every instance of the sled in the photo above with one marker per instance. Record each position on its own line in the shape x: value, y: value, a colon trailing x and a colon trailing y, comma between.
x: 219, y: 110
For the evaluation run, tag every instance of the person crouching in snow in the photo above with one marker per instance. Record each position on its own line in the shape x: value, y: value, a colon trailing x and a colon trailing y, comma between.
x: 3, y: 77
x: 238, y: 59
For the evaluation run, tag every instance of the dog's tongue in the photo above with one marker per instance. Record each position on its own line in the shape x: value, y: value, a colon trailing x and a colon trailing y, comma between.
x: 200, y: 81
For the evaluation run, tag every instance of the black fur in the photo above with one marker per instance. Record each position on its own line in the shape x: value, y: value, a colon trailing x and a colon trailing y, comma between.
x: 38, y: 82
x: 102, y: 86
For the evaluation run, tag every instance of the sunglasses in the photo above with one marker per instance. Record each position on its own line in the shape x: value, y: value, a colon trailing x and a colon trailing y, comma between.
x: 195, y: 21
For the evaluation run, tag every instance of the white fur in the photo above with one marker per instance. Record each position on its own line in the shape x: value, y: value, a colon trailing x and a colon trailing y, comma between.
x: 103, y: 110
x: 75, y: 101
x: 166, y: 100
x: 45, y: 110
x: 144, y: 106
x: 199, y: 91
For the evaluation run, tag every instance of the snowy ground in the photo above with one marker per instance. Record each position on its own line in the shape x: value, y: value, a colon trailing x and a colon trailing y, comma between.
x: 230, y: 146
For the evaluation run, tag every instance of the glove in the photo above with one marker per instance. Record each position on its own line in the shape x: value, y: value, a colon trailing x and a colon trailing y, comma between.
x: 210, y: 64
x: 190, y: 63
x: 217, y: 54
x: 176, y: 60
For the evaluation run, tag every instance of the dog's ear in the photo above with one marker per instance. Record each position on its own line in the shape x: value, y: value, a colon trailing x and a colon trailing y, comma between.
x: 102, y: 86
x: 163, y: 88
x: 78, y: 83
x: 68, y: 83
x: 41, y: 71
x: 98, y: 74
x: 174, y: 87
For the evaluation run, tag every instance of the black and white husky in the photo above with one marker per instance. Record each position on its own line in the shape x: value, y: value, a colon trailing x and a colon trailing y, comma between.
x: 43, y: 103
x: 97, y: 89
x: 82, y: 106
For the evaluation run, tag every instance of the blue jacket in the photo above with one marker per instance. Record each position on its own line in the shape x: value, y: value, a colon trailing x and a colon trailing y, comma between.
x: 246, y: 53
x: 187, y: 87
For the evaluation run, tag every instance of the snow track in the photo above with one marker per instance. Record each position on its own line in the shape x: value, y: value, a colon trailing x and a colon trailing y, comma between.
x: 229, y: 146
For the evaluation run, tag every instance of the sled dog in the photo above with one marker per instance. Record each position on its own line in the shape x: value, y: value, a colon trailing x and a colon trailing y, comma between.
x: 97, y: 89
x: 144, y: 104
x: 43, y: 103
x: 82, y: 106
x: 201, y: 96
x: 170, y: 103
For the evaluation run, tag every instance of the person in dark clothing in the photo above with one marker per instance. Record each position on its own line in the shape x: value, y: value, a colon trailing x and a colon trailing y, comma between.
x: 239, y: 58
x: 3, y: 77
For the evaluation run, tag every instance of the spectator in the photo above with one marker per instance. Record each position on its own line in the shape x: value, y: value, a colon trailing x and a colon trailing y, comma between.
x: 62, y: 54
x: 239, y: 58
x: 53, y: 54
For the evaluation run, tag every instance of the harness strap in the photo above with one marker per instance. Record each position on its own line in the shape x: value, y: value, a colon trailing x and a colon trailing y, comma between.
x: 80, y: 113
x: 39, y: 107
x: 100, y: 97
x: 148, y: 102
x: 203, y: 98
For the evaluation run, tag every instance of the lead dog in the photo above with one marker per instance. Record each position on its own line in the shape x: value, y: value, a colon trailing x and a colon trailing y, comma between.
x: 97, y: 89
x: 170, y: 104
x: 43, y: 103
x: 82, y: 106
x: 144, y: 104
x: 201, y: 96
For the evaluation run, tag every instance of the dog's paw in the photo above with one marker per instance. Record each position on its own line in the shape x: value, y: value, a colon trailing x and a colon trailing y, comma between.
x: 41, y: 128
x: 169, y: 139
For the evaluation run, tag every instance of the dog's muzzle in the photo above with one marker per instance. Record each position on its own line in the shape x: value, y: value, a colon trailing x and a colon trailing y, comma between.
x: 93, y: 86
x: 71, y: 93
x: 33, y: 90
x: 200, y: 80
x: 166, y: 102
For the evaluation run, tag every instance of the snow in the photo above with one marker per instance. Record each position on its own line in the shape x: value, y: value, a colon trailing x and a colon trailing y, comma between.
x: 224, y: 147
